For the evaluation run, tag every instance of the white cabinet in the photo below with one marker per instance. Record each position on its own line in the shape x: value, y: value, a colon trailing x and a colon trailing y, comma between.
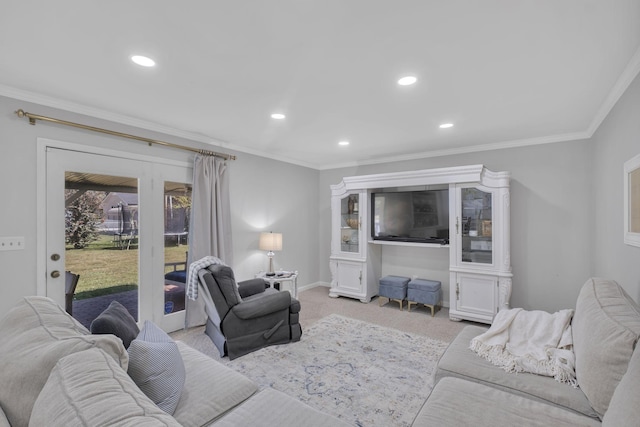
x: 479, y: 249
x: 480, y: 261
x: 354, y: 268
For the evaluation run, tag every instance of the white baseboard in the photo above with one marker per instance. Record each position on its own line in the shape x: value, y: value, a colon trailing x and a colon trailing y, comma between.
x: 313, y: 285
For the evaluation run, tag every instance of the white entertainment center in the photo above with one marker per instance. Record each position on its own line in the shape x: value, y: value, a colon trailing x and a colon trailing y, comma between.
x: 478, y: 224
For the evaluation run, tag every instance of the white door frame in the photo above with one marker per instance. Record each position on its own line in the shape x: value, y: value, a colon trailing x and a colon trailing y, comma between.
x: 42, y: 145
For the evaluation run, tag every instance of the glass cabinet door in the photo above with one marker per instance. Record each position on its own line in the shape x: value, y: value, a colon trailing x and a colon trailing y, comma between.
x: 350, y: 223
x: 477, y: 240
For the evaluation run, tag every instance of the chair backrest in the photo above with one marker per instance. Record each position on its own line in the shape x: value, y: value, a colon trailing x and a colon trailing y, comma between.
x: 227, y: 283
x: 71, y: 281
x: 207, y: 280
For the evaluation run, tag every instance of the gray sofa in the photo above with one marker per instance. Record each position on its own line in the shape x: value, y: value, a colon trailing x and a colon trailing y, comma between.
x: 56, y: 373
x: 470, y: 391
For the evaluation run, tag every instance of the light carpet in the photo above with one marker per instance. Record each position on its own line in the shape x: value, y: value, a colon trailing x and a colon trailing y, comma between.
x: 365, y: 374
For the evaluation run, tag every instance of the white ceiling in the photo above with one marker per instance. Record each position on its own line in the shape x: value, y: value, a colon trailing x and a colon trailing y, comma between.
x: 505, y: 72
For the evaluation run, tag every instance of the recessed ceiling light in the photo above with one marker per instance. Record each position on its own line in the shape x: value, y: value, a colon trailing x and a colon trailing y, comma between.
x: 278, y: 116
x: 143, y: 60
x: 446, y: 125
x: 343, y: 143
x: 407, y: 80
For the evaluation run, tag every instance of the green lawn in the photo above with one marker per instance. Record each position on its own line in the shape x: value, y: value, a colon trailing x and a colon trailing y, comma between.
x: 106, y: 269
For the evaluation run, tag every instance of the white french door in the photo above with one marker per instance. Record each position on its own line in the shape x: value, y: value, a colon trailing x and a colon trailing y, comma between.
x: 134, y: 256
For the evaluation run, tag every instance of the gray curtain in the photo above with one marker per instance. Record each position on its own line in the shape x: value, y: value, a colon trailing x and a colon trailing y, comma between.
x: 210, y: 224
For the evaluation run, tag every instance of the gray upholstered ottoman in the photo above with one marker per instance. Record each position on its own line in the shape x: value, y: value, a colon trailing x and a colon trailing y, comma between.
x: 393, y: 288
x: 426, y: 292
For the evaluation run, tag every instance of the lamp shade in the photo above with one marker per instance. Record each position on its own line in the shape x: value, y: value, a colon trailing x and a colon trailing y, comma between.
x: 270, y: 241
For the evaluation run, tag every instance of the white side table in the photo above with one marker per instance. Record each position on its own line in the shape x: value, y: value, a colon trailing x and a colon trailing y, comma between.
x: 281, y: 276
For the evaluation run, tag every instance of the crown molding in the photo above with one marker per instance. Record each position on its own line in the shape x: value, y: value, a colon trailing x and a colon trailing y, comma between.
x: 97, y: 113
x: 622, y: 84
x: 469, y: 149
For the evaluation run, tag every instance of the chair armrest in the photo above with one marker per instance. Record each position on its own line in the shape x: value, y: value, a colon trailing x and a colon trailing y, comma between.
x: 258, y: 307
x: 251, y: 287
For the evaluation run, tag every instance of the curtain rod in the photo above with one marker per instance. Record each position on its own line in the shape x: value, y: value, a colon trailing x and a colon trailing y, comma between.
x: 33, y: 117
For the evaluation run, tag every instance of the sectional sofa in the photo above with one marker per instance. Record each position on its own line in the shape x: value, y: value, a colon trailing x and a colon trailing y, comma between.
x: 470, y: 391
x: 56, y: 373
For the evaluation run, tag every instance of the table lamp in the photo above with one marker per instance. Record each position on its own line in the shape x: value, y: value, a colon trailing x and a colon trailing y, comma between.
x: 270, y: 242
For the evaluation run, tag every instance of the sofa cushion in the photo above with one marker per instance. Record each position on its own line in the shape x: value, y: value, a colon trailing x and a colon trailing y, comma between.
x: 34, y: 335
x: 459, y: 361
x: 4, y: 422
x: 624, y: 409
x: 90, y: 389
x: 488, y: 406
x: 210, y: 389
x: 156, y: 366
x: 606, y: 327
x: 274, y: 408
x: 116, y: 320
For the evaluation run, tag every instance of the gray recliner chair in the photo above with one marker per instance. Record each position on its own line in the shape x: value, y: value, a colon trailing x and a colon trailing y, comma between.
x: 247, y: 316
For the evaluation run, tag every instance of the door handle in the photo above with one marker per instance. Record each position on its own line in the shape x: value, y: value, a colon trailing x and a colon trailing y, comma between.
x: 55, y: 274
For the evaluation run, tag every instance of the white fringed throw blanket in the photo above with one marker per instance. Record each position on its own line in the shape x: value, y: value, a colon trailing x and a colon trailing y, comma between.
x: 530, y: 341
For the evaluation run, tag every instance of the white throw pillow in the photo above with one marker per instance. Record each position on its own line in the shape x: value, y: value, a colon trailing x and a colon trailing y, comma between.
x: 156, y: 366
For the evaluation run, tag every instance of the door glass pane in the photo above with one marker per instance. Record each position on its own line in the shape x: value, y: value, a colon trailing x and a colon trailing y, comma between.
x: 177, y: 209
x: 477, y: 240
x: 350, y: 223
x: 101, y: 244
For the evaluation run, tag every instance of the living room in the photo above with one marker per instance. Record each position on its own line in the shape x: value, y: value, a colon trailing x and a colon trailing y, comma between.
x: 566, y: 187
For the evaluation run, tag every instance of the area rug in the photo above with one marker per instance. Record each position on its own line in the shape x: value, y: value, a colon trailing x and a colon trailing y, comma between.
x: 365, y: 374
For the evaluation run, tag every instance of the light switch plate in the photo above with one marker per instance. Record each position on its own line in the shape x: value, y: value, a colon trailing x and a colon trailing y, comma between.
x: 14, y: 243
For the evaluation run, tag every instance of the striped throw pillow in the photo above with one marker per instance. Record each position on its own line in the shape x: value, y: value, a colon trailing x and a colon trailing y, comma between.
x: 155, y: 365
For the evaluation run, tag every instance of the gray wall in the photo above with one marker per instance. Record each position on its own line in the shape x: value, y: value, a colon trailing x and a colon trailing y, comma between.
x: 265, y: 195
x: 616, y: 141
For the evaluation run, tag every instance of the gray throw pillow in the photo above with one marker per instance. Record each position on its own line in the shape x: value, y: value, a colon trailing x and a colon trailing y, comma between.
x: 116, y: 320
x: 156, y: 366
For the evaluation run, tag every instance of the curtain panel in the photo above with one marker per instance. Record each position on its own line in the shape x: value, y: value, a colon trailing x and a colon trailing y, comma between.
x: 210, y: 223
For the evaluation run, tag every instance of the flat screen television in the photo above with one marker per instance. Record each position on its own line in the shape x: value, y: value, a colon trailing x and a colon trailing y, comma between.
x: 411, y: 216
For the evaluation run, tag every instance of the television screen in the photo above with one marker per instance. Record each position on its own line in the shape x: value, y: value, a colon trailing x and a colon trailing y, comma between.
x: 411, y: 216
